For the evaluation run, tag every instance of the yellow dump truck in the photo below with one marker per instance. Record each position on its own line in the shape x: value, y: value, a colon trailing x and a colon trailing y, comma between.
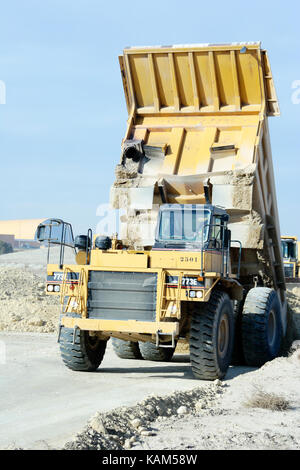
x: 198, y: 254
x: 291, y: 262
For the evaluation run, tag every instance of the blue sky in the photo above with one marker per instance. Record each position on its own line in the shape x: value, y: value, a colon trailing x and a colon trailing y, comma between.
x: 65, y: 115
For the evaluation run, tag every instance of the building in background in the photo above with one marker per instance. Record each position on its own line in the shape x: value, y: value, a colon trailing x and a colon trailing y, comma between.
x: 20, y: 233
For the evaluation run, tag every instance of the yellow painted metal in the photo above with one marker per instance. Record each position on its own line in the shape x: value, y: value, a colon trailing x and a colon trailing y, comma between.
x: 153, y: 260
x: 129, y: 326
x: 81, y: 257
x: 295, y: 262
x: 198, y: 79
x: 179, y: 294
x: 163, y: 299
x: 207, y: 106
x: 64, y: 286
x: 118, y: 259
x: 187, y: 260
x: 77, y: 298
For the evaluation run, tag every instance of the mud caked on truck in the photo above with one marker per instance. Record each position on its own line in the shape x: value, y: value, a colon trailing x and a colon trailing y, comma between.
x: 198, y: 256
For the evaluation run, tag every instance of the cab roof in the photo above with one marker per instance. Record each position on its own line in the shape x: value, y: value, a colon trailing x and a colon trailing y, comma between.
x: 215, y: 210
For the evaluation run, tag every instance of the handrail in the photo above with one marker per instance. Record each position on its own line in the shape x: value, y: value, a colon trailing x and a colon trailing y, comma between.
x: 88, y: 245
x: 77, y: 297
x: 240, y: 255
x: 207, y: 242
x: 178, y: 297
x: 63, y: 289
x: 163, y: 287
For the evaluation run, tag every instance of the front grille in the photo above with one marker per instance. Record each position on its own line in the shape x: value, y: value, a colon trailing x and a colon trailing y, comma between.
x: 114, y: 295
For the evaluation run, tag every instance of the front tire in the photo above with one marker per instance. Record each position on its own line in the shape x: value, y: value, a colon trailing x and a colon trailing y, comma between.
x: 150, y: 352
x: 85, y: 354
x: 126, y: 349
x: 211, y: 337
x: 261, y: 326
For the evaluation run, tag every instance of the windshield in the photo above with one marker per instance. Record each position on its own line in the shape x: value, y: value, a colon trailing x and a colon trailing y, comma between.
x: 184, y: 224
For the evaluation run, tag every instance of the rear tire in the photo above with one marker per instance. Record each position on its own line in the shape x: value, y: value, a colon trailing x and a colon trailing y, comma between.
x: 151, y: 352
x: 237, y: 358
x: 85, y: 354
x: 261, y: 326
x: 211, y: 337
x: 126, y: 349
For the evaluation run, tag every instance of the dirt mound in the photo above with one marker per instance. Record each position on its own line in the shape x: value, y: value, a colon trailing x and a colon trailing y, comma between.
x: 24, y: 304
x: 214, y: 416
x: 230, y: 424
x: 123, y: 427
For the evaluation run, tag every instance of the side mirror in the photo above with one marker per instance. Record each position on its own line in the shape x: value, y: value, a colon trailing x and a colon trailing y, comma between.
x: 51, y: 230
x: 55, y: 231
x: 227, y: 239
x: 40, y: 234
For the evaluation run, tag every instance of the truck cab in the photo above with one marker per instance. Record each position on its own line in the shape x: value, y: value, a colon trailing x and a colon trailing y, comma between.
x: 191, y: 226
x: 289, y: 248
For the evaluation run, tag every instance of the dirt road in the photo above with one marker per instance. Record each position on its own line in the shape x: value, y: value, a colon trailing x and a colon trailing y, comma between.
x: 42, y: 403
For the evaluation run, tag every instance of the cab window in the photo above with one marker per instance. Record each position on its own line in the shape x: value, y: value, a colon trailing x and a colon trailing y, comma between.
x: 216, y: 233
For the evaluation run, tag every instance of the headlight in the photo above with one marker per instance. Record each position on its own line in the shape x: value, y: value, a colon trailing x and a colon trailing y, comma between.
x: 56, y: 288
x: 192, y: 293
x: 50, y: 288
x: 200, y: 294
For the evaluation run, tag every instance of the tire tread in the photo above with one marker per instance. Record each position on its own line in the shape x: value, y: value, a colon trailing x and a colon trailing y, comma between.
x: 202, y: 350
x: 75, y: 356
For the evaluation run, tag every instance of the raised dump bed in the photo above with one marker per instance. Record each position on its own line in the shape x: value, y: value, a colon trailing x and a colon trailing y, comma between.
x: 198, y: 127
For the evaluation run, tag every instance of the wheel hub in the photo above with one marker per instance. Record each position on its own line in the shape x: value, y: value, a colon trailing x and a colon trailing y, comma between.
x: 223, y: 336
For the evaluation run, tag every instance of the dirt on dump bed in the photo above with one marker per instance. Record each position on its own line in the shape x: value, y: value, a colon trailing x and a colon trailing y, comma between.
x: 24, y: 305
